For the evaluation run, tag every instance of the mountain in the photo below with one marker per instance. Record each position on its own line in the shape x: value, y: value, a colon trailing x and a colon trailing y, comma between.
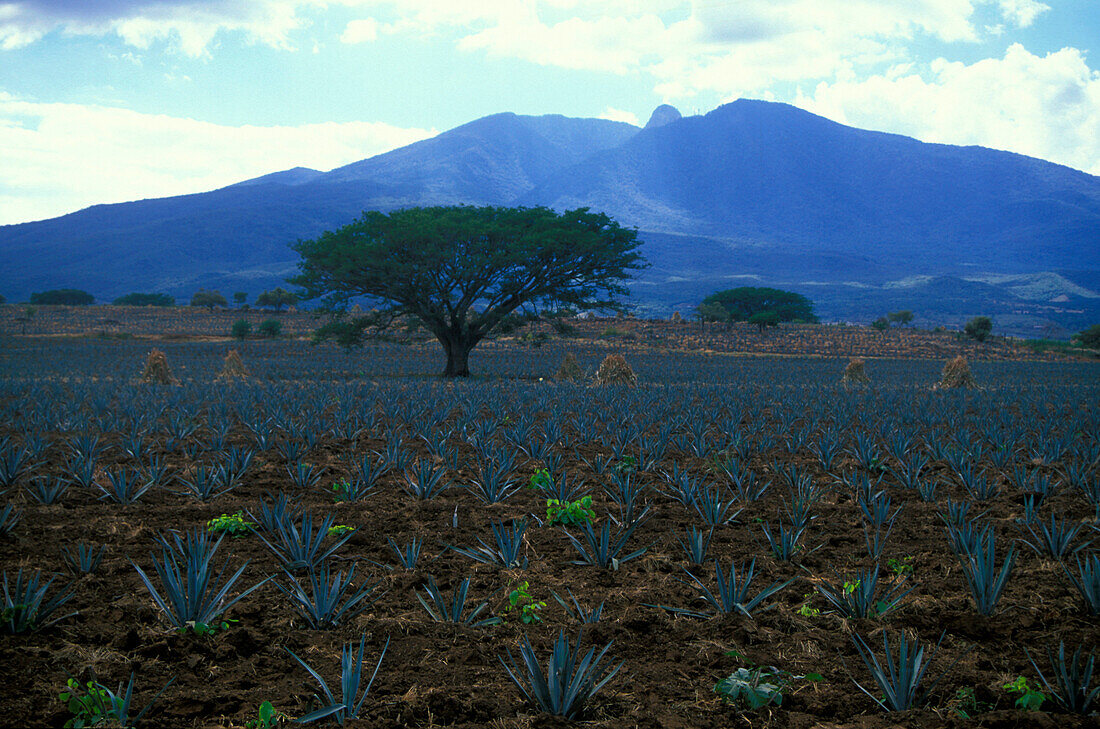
x: 755, y: 192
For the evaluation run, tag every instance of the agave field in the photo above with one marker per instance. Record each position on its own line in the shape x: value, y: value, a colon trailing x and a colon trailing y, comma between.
x: 734, y: 541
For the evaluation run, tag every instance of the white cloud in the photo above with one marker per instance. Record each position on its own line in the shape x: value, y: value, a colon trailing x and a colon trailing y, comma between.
x: 363, y: 30
x: 613, y: 114
x: 1022, y: 13
x: 1042, y: 106
x: 62, y: 157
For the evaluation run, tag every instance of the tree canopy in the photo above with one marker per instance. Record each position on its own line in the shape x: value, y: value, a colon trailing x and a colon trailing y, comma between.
x: 463, y: 272
x: 1089, y: 338
x: 136, y: 299
x: 979, y: 328
x: 740, y: 304
x: 276, y: 299
x: 209, y: 299
x: 66, y: 297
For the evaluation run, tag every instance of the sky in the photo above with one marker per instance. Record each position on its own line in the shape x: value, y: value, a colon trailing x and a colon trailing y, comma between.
x: 105, y: 101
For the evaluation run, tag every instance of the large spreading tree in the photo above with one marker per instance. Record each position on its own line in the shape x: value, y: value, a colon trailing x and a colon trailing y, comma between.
x: 745, y: 302
x: 463, y: 272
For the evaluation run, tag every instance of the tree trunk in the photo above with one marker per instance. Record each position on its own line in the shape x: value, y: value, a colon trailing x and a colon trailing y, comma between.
x: 458, y: 355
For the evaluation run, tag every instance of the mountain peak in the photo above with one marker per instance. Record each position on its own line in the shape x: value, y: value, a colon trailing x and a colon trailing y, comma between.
x: 663, y: 114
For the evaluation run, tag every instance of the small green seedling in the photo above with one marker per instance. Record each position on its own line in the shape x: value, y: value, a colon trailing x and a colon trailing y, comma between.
x: 900, y: 567
x: 232, y: 524
x: 628, y: 464
x: 540, y: 480
x: 1030, y: 699
x: 341, y: 491
x: 808, y: 611
x: 850, y: 587
x: 94, y: 708
x: 205, y: 629
x: 337, y: 530
x: 570, y: 513
x: 267, y: 717
x: 520, y: 599
x: 965, y: 705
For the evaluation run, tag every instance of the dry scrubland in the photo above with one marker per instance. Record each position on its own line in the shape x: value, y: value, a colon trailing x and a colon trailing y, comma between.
x: 707, y: 461
x: 183, y: 323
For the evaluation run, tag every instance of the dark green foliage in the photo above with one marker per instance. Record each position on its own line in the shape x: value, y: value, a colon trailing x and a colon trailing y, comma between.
x: 764, y: 319
x: 1089, y: 338
x: 979, y: 328
x: 753, y: 688
x: 881, y: 324
x: 62, y: 297
x: 209, y: 299
x: 434, y: 264
x: 570, y: 680
x: 270, y: 328
x: 740, y: 304
x: 351, y: 672
x: 239, y: 297
x: 241, y: 329
x: 902, y: 317
x: 276, y: 299
x: 145, y: 300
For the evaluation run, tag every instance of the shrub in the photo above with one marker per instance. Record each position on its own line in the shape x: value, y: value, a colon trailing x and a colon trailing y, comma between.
x: 1089, y: 338
x: 881, y: 324
x: 270, y: 328
x: 209, y: 299
x: 979, y: 328
x: 241, y: 329
x: 62, y: 297
x: 145, y: 300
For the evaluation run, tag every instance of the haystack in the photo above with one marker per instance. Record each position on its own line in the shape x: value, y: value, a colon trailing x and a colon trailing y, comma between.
x: 234, y: 368
x: 570, y: 370
x: 615, y: 371
x: 956, y: 373
x: 157, y: 371
x: 676, y: 318
x: 854, y: 373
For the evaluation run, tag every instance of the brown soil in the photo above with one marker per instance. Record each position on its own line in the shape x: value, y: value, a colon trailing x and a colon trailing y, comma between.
x: 437, y: 675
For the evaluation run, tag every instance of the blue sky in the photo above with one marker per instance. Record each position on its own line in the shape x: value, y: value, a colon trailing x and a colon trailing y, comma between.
x: 112, y: 100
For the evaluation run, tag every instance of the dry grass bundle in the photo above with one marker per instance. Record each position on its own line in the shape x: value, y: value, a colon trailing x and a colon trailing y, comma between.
x: 615, y: 371
x: 156, y: 370
x: 956, y: 373
x: 233, y: 368
x: 570, y: 370
x: 854, y: 373
x: 676, y: 318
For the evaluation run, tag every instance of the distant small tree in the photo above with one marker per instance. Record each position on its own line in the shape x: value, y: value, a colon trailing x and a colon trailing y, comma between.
x: 276, y: 299
x: 240, y: 297
x: 742, y: 302
x: 209, y: 299
x: 3, y: 300
x: 270, y: 328
x: 241, y: 329
x: 902, y: 317
x: 1089, y: 338
x: 765, y: 319
x: 881, y: 324
x: 711, y: 312
x: 979, y: 328
x: 145, y: 300
x: 62, y: 297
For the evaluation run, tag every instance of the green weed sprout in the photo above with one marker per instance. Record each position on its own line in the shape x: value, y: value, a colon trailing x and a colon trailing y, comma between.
x: 1029, y: 699
x: 900, y: 567
x: 540, y: 480
x: 520, y: 599
x: 99, y: 706
x: 232, y: 524
x: 205, y: 629
x: 267, y: 717
x: 337, y: 530
x: 570, y: 513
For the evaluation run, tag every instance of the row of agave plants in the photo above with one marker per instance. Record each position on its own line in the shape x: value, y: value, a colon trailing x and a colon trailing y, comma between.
x: 703, y: 450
